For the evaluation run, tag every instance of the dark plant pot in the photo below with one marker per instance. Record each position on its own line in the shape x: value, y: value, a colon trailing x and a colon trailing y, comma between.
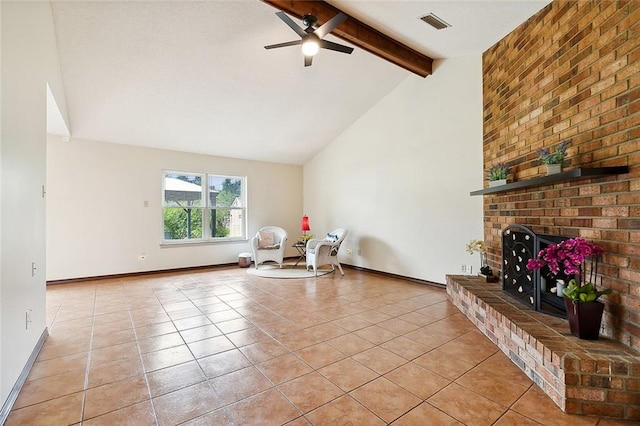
x: 584, y: 318
x: 489, y: 278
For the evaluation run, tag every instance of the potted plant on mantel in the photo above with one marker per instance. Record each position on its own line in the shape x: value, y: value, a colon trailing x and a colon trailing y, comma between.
x: 584, y: 310
x: 553, y: 160
x: 498, y: 174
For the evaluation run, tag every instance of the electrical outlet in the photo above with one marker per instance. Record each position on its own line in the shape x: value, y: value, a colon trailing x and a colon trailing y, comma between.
x: 33, y: 269
x: 466, y: 269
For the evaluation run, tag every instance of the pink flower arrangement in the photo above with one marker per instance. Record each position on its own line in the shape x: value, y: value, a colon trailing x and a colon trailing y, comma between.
x: 569, y: 255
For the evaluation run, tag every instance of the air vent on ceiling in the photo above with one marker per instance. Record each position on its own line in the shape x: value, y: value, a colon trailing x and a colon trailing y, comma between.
x: 435, y: 21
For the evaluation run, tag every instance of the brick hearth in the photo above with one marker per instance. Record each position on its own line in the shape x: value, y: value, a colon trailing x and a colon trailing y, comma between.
x: 582, y: 377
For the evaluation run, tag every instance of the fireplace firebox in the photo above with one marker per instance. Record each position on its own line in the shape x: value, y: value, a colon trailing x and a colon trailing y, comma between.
x: 537, y: 289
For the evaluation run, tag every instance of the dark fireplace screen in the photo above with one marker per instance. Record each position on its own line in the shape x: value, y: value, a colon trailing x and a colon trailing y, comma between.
x: 537, y: 289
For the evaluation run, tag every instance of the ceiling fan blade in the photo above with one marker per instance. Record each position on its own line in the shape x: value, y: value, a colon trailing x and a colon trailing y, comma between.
x: 328, y: 26
x: 295, y: 27
x: 335, y: 46
x: 307, y: 61
x: 285, y: 44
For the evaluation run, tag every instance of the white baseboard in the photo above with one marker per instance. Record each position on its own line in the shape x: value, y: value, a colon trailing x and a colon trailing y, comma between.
x: 13, y: 395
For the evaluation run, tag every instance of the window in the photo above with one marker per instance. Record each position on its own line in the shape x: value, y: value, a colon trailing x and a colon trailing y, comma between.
x: 202, y: 206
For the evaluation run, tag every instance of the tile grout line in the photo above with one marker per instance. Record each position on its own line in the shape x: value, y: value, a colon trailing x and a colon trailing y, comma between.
x: 510, y: 408
x: 144, y: 372
x: 57, y: 311
x: 88, y: 367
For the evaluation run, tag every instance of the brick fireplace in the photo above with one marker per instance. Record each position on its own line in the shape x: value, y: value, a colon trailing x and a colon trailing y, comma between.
x: 571, y: 72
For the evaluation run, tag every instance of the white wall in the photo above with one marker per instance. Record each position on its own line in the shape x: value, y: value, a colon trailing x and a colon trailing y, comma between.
x: 97, y: 222
x: 29, y: 62
x: 2, y: 394
x: 399, y: 178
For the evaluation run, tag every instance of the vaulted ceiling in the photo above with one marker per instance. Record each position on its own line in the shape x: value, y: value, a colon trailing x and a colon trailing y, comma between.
x: 194, y: 75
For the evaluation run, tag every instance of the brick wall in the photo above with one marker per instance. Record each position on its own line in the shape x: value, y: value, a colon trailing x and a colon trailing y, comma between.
x: 572, y: 72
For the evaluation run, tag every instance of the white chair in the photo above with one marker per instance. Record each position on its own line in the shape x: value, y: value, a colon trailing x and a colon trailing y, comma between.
x: 325, y: 252
x: 268, y: 245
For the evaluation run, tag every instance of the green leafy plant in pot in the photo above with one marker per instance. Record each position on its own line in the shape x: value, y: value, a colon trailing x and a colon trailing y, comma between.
x: 497, y: 174
x: 584, y: 293
x: 553, y: 160
x: 584, y: 310
x: 548, y: 157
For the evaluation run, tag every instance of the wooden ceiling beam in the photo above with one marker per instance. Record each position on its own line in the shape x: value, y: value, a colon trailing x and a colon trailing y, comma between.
x: 359, y: 34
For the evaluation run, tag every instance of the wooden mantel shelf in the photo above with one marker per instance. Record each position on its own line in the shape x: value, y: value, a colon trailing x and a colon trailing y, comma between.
x: 574, y: 174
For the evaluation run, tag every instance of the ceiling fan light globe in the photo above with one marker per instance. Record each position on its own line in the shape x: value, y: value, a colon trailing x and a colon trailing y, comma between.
x: 310, y: 48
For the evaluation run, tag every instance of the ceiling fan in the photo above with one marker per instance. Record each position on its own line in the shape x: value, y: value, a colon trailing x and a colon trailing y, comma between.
x: 310, y: 39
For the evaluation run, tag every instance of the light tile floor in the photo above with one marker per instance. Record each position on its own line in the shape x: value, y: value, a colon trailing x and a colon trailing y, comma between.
x: 222, y: 347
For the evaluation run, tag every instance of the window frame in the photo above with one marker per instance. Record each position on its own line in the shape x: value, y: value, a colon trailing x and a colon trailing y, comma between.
x: 207, y: 210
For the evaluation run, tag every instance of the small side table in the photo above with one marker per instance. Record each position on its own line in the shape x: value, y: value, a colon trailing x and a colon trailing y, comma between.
x: 302, y: 251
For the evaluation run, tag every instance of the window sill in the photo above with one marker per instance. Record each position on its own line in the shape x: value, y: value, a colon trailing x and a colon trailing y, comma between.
x: 187, y: 243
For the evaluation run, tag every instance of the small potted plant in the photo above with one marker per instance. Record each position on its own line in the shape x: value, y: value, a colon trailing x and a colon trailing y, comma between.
x: 584, y: 310
x: 498, y: 174
x: 478, y: 246
x: 553, y: 160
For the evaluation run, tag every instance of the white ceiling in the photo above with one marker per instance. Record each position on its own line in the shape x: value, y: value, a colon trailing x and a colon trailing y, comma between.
x: 194, y: 76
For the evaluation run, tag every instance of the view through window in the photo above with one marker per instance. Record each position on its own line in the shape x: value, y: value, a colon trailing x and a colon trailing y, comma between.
x: 203, y: 206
